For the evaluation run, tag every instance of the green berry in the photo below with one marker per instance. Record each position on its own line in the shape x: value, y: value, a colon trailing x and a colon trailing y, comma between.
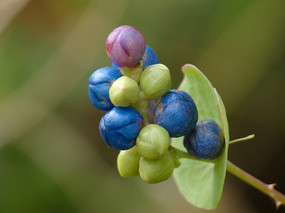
x: 133, y: 72
x: 156, y: 170
x: 141, y: 105
x: 153, y: 141
x: 124, y: 92
x: 155, y: 81
x: 128, y: 163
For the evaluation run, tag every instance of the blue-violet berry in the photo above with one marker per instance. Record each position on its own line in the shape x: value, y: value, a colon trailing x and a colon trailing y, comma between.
x: 149, y: 57
x: 205, y: 141
x: 176, y: 112
x: 100, y: 82
x: 125, y: 46
x: 120, y: 126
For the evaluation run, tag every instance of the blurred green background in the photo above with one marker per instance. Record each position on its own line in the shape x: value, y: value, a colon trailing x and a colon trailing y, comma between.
x: 52, y: 158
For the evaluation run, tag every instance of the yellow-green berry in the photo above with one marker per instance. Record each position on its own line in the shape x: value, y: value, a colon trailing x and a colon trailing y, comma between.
x: 153, y: 141
x: 128, y: 163
x: 156, y: 170
x: 124, y: 92
x: 155, y: 81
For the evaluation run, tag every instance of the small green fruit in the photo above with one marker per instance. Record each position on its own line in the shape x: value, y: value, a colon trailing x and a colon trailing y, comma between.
x: 141, y: 105
x: 155, y: 81
x: 153, y: 141
x: 133, y: 72
x: 156, y: 170
x: 128, y: 163
x: 124, y: 92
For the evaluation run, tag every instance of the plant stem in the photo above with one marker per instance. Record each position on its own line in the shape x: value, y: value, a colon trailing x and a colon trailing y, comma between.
x: 242, y: 139
x: 267, y: 189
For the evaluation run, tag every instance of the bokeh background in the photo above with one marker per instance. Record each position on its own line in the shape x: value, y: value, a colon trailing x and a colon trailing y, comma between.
x: 52, y: 158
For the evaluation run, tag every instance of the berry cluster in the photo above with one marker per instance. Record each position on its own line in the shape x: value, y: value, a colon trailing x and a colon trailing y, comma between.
x: 143, y: 112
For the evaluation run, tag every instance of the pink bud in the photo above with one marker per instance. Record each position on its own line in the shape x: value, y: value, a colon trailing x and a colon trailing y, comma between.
x: 125, y: 46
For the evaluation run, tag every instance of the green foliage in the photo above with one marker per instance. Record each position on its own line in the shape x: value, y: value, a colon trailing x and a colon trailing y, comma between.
x: 201, y: 182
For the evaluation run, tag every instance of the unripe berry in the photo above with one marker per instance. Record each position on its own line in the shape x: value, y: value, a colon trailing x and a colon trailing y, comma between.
x: 152, y: 142
x: 155, y: 81
x: 100, y: 82
x: 128, y: 162
x: 125, y: 46
x: 120, y: 126
x: 149, y: 57
x: 156, y: 170
x: 124, y: 92
x: 205, y: 141
x: 176, y: 112
x: 133, y: 72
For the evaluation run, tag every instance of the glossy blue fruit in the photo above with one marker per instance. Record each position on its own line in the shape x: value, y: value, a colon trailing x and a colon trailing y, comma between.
x: 120, y: 126
x: 149, y: 57
x: 206, y: 141
x: 176, y: 112
x: 100, y: 82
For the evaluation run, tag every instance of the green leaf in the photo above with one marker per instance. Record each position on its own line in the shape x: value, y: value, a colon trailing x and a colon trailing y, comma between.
x: 201, y: 182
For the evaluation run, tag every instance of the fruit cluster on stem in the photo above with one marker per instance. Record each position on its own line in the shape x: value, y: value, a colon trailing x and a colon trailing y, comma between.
x: 144, y: 112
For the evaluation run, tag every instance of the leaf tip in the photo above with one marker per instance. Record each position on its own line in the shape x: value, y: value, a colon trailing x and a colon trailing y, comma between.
x: 185, y: 66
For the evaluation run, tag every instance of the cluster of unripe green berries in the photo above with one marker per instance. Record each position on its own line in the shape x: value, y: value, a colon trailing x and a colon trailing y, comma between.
x: 144, y: 112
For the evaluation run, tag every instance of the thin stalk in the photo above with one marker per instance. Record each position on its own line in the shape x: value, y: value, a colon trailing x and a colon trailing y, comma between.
x: 267, y: 189
x: 242, y: 139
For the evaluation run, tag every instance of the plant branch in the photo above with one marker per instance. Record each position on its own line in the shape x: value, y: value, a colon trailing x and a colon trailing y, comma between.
x: 267, y: 189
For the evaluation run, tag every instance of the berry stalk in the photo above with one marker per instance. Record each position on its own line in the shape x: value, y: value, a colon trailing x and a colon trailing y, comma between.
x: 267, y: 189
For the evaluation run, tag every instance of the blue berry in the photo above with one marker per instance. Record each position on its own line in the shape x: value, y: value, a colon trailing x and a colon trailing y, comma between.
x: 149, y: 57
x: 125, y: 46
x: 176, y: 112
x: 205, y: 141
x: 100, y: 82
x: 115, y: 66
x: 120, y: 126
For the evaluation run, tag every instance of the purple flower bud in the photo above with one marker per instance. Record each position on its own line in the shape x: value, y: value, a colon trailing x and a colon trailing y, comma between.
x: 125, y: 46
x: 149, y: 58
